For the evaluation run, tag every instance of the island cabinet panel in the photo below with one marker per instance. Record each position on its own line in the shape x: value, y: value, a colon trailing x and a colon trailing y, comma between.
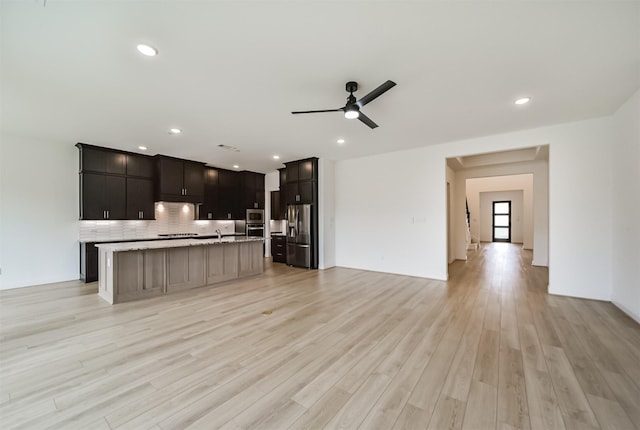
x: 250, y: 258
x: 140, y: 274
x: 185, y: 267
x: 132, y: 271
x: 222, y: 263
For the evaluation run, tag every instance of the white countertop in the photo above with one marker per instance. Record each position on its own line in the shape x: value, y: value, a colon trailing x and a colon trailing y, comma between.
x: 139, y: 239
x: 173, y: 243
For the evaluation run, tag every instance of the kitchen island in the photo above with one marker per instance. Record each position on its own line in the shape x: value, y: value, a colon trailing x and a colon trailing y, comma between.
x: 137, y: 270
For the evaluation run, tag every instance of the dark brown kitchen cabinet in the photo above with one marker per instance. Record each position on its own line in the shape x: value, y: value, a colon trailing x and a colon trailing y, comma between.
x: 301, y: 192
x: 226, y: 195
x: 227, y: 204
x: 302, y: 170
x: 88, y: 262
x: 252, y: 190
x: 279, y: 248
x: 276, y: 206
x: 101, y: 160
x: 141, y: 166
x: 179, y: 180
x: 211, y: 194
x: 301, y: 182
x: 107, y: 186
x: 102, y: 197
x: 140, y: 199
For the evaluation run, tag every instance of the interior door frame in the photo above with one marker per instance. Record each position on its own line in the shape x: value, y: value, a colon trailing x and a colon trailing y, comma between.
x: 493, y: 221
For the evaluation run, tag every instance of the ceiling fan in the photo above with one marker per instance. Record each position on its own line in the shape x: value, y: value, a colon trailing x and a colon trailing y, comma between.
x: 352, y: 108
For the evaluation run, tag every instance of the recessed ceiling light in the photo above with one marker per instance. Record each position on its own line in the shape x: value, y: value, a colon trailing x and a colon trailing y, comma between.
x: 175, y: 131
x: 276, y: 157
x: 523, y: 101
x: 235, y: 166
x: 340, y: 141
x: 143, y: 148
x: 147, y: 50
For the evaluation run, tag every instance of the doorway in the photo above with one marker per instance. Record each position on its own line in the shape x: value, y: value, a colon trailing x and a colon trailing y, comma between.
x: 501, y: 221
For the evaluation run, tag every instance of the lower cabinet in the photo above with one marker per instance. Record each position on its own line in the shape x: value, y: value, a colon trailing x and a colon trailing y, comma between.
x: 88, y: 262
x: 185, y: 267
x: 279, y: 249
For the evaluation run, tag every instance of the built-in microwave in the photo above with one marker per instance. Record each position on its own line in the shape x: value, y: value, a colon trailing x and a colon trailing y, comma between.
x: 255, y: 216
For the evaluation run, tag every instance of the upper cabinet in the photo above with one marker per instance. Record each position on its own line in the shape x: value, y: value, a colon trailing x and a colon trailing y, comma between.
x: 229, y: 193
x: 115, y: 185
x: 119, y: 185
x: 179, y: 180
x: 102, y: 196
x: 252, y: 190
x: 301, y: 185
x: 276, y: 206
x: 140, y: 166
x: 101, y: 160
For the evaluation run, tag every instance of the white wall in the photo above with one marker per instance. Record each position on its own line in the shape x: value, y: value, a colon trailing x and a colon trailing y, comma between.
x: 391, y: 208
x: 451, y: 233
x: 390, y: 213
x: 626, y: 207
x: 38, y: 212
x: 326, y: 214
x: 522, y: 222
x: 486, y: 211
x: 271, y: 183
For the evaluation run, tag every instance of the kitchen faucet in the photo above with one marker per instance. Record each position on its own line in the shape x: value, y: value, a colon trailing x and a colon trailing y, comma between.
x: 219, y: 233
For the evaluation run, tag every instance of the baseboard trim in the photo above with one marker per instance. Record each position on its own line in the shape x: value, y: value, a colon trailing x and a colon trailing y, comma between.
x: 627, y: 311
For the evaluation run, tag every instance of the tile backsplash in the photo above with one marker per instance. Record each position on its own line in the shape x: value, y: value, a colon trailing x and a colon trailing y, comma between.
x: 170, y: 218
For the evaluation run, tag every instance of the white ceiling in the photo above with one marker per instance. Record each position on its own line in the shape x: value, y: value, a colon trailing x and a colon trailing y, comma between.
x: 231, y: 72
x: 522, y: 155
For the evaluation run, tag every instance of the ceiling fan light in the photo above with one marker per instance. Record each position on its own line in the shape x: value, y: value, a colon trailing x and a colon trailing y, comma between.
x: 351, y: 112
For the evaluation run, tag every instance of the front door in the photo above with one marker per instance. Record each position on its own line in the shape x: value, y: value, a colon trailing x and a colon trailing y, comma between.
x: 502, y: 221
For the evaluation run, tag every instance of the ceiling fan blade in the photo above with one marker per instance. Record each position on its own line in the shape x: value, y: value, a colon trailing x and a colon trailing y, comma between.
x: 376, y: 93
x: 362, y: 117
x: 318, y: 111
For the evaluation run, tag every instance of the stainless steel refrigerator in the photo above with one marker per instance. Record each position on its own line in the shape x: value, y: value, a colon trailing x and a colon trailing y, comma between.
x: 299, y: 236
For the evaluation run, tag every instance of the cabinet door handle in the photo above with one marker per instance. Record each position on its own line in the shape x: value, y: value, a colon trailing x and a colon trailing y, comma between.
x: 104, y: 214
x: 107, y: 213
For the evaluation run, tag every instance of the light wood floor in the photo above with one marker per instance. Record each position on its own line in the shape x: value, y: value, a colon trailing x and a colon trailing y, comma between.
x: 340, y: 349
